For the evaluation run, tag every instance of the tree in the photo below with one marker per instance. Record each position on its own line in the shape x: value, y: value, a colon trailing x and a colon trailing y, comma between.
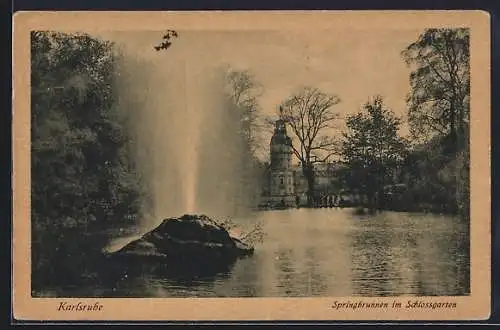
x: 439, y: 112
x: 372, y: 149
x: 440, y: 85
x: 432, y: 176
x: 243, y: 91
x: 71, y: 98
x: 310, y: 114
x: 83, y: 175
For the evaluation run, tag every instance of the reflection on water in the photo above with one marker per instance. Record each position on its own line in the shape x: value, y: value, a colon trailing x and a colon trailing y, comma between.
x: 319, y: 252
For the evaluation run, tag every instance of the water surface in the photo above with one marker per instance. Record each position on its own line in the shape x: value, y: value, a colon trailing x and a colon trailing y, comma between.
x: 322, y: 252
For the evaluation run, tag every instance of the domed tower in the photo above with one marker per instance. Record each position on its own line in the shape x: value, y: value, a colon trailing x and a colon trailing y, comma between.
x: 282, y: 185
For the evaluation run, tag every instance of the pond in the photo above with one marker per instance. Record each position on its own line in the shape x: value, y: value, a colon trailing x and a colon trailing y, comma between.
x: 320, y: 252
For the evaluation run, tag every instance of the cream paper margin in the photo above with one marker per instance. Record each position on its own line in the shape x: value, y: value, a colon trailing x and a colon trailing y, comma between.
x: 475, y: 307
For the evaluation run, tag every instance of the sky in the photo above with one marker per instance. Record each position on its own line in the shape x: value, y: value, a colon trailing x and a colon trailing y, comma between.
x: 354, y: 64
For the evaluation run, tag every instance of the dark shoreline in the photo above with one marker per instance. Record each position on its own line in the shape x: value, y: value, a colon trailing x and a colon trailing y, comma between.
x: 427, y: 209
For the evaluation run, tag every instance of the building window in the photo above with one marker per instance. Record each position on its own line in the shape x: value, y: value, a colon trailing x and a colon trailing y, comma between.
x: 282, y: 180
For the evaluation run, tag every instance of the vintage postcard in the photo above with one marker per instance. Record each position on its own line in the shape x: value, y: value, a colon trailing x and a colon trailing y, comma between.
x: 293, y: 165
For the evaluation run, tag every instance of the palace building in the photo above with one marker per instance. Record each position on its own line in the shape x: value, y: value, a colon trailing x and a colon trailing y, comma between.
x: 284, y: 182
x: 281, y: 173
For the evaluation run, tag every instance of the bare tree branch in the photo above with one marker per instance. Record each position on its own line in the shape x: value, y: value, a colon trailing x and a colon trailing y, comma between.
x: 440, y: 81
x: 310, y: 113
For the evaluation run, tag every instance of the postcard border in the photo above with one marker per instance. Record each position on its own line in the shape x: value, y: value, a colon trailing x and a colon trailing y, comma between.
x: 476, y: 306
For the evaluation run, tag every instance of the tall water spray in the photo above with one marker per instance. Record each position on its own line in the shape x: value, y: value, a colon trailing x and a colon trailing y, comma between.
x: 188, y: 142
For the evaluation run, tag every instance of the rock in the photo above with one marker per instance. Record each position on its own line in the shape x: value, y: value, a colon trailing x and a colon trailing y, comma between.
x: 186, y: 240
x: 141, y: 247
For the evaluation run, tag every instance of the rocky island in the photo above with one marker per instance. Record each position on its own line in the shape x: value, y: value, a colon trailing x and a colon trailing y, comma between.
x: 187, y: 240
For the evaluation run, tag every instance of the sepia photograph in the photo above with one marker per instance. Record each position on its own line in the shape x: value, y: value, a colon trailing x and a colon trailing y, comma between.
x: 180, y: 162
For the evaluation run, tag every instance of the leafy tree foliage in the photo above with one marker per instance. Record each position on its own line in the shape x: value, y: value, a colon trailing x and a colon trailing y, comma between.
x: 436, y: 181
x: 440, y: 85
x: 83, y: 178
x: 372, y: 149
x: 439, y: 116
x: 243, y: 92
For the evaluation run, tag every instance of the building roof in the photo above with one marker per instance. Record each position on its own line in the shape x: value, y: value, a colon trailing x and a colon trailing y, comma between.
x: 281, y: 139
x: 280, y: 136
x: 321, y: 169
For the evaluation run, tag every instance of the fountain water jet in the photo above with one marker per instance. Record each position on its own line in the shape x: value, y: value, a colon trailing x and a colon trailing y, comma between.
x: 188, y: 139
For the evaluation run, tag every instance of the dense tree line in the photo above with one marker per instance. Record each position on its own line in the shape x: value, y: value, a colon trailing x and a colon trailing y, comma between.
x: 431, y: 172
x: 83, y: 178
x: 439, y: 115
x: 430, y: 169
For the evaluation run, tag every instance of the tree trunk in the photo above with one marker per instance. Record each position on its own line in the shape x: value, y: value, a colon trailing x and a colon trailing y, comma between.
x: 461, y: 129
x: 309, y: 174
x: 453, y: 128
